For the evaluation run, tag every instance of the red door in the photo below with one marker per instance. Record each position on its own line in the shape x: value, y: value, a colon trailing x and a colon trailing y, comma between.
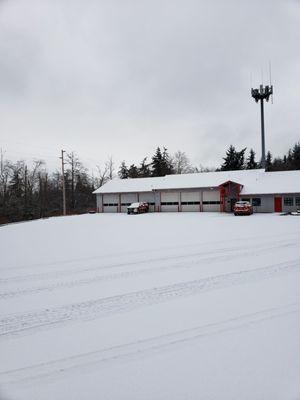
x: 277, y: 204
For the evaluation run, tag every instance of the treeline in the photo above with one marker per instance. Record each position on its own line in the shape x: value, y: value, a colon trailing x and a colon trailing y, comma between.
x: 236, y: 159
x: 160, y: 164
x: 31, y: 191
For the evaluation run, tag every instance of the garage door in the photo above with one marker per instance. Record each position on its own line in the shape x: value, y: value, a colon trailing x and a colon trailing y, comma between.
x: 149, y: 198
x: 211, y: 200
x: 190, y: 201
x: 110, y: 202
x: 127, y: 199
x: 169, y: 201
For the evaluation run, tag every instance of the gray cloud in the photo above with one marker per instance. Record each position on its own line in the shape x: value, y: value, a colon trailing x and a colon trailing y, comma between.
x: 121, y: 77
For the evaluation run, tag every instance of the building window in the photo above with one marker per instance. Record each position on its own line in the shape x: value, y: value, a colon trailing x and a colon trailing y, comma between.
x: 245, y: 199
x: 169, y: 203
x: 256, y: 201
x: 190, y: 203
x: 288, y: 201
x: 210, y: 202
x: 110, y: 204
x: 298, y: 201
x: 126, y: 204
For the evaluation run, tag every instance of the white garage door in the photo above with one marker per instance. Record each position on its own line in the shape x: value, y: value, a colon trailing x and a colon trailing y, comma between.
x: 127, y: 199
x: 110, y: 202
x: 190, y: 201
x: 149, y: 198
x: 169, y: 201
x: 211, y: 200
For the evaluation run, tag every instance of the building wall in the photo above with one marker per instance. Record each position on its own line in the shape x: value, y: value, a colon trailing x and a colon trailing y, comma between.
x: 127, y: 199
x: 99, y: 202
x: 192, y: 200
x: 267, y: 202
x: 169, y: 201
x: 116, y: 202
x: 111, y: 203
x: 211, y: 200
x: 287, y: 198
x: 261, y: 204
x: 148, y: 197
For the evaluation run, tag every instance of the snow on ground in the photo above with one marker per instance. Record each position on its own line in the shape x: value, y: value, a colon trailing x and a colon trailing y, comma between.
x: 154, y: 306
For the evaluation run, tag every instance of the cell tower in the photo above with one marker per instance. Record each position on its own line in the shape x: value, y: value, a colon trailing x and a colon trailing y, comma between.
x: 261, y: 94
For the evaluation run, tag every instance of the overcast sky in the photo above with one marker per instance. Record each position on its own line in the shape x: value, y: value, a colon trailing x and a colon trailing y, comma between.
x: 120, y: 77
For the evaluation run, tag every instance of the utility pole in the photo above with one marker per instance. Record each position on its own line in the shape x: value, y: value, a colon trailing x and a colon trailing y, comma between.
x: 25, y: 188
x: 261, y: 94
x: 63, y: 181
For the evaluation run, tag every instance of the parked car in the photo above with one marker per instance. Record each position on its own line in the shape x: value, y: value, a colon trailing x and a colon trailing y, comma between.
x: 138, y: 208
x: 243, y: 208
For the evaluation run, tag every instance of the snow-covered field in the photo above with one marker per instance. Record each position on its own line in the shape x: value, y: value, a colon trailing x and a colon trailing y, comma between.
x: 157, y: 307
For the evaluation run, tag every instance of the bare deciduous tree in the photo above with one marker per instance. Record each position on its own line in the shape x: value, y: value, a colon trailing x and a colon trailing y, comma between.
x: 181, y: 163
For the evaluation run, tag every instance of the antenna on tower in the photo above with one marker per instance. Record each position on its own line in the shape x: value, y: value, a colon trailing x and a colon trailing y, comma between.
x: 259, y: 95
x: 270, y: 75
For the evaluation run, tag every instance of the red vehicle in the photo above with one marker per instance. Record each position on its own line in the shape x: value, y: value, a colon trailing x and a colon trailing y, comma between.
x: 138, y: 208
x: 243, y: 208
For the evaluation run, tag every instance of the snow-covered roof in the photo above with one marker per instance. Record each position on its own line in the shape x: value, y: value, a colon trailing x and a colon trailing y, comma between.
x: 132, y: 185
x: 207, y: 179
x: 255, y: 181
x: 273, y: 182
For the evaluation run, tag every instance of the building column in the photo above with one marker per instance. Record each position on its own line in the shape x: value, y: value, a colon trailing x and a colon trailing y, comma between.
x: 119, y: 203
x: 157, y: 201
x: 99, y: 203
x: 201, y: 201
x: 179, y: 203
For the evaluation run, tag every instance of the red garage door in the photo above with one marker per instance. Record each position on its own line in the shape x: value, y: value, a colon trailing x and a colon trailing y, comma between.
x: 277, y: 204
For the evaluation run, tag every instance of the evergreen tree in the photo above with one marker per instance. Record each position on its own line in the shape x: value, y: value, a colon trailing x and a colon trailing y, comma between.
x: 279, y: 164
x: 251, y: 163
x: 161, y: 163
x: 157, y: 160
x: 269, y: 161
x: 234, y: 160
x: 296, y: 156
x: 144, y: 169
x: 133, y: 171
x: 167, y: 163
x: 123, y: 171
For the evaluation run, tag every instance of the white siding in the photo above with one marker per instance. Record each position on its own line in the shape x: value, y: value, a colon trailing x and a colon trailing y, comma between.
x: 110, y: 202
x: 148, y: 197
x: 266, y: 203
x: 169, y: 197
x: 190, y: 197
x: 127, y: 199
x: 99, y: 202
x: 294, y: 206
x: 209, y: 198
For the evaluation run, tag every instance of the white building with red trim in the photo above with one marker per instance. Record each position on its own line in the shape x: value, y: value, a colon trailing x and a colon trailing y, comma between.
x: 207, y: 191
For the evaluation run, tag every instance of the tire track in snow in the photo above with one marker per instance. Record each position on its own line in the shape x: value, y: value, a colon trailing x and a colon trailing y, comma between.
x: 137, y: 272
x: 140, y: 348
x: 220, y: 253
x: 28, y: 322
x: 150, y: 251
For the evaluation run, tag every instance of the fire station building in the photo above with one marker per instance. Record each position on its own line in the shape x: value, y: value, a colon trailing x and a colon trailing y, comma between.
x: 202, y: 192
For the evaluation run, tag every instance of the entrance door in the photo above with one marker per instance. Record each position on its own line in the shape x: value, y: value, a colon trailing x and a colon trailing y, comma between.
x: 277, y: 204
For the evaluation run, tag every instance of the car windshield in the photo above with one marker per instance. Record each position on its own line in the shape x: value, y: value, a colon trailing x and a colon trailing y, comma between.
x: 134, y: 205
